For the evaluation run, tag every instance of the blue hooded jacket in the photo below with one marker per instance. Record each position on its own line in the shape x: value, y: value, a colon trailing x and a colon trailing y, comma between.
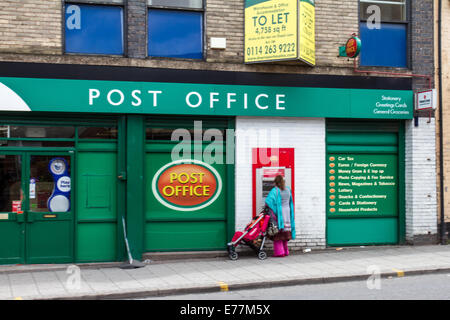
x: 273, y: 200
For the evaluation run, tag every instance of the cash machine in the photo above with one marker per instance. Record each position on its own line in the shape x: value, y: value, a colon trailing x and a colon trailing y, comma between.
x: 267, y: 164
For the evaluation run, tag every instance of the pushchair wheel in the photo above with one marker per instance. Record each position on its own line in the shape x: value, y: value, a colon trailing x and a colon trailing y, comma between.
x: 233, y: 255
x: 262, y: 255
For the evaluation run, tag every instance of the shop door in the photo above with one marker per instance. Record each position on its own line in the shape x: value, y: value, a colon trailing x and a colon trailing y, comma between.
x: 36, y: 217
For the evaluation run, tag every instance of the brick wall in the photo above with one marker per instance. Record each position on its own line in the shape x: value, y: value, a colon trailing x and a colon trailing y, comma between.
x: 307, y: 136
x: 31, y: 26
x: 422, y: 40
x: 40, y: 32
x: 420, y: 182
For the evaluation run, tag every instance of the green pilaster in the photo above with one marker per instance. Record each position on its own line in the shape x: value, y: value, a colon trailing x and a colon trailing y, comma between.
x: 121, y: 185
x: 401, y: 177
x: 231, y: 210
x: 135, y: 185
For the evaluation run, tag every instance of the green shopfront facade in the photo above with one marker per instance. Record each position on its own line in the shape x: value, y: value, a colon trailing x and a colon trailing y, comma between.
x: 111, y: 129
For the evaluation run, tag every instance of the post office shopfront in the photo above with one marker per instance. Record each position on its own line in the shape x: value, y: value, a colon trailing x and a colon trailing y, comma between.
x: 80, y: 153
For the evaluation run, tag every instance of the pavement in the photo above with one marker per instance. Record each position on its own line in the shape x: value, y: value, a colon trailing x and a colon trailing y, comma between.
x: 200, y: 275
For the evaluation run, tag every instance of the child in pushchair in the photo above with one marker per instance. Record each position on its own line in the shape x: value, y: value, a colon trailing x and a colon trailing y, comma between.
x: 253, y: 236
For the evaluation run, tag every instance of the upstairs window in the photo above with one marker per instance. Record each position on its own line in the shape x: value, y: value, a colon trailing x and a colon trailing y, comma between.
x: 94, y: 27
x: 384, y: 33
x: 175, y: 29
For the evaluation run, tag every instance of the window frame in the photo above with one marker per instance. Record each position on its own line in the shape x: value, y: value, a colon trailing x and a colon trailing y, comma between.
x: 98, y: 3
x: 408, y: 25
x: 186, y: 9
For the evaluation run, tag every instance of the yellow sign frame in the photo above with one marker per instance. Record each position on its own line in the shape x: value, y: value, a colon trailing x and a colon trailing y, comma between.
x: 279, y: 30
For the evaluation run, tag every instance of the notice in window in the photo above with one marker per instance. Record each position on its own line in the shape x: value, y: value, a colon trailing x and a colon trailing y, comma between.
x: 362, y: 184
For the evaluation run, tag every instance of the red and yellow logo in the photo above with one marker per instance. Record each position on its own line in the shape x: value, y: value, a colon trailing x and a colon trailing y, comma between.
x: 186, y: 185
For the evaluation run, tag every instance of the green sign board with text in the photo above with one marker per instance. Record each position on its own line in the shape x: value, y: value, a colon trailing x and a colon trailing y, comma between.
x: 85, y: 96
x: 361, y: 185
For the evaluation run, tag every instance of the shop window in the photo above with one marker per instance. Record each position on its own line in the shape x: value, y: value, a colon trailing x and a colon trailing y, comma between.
x: 97, y: 133
x: 95, y: 28
x: 36, y: 136
x: 14, y: 131
x: 11, y: 194
x: 166, y: 134
x: 175, y: 29
x: 384, y: 33
x: 44, y: 197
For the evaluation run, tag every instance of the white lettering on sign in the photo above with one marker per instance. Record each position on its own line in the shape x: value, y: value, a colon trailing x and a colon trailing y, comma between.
x: 74, y: 20
x: 257, y: 101
x: 155, y: 97
x: 93, y: 94
x: 279, y: 102
x: 193, y: 99
x: 229, y: 100
x: 138, y: 101
x: 116, y: 97
x: 212, y: 99
x: 188, y: 101
x: 122, y: 97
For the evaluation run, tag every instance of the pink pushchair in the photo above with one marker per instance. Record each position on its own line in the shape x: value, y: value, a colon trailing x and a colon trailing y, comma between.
x: 253, y: 236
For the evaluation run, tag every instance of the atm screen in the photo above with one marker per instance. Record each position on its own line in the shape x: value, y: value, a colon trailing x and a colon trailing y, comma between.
x: 267, y: 186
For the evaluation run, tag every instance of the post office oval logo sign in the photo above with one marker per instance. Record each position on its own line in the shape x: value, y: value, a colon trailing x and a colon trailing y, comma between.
x: 187, y: 185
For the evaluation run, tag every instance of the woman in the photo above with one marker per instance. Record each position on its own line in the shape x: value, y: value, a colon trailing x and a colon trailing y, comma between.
x: 279, y: 200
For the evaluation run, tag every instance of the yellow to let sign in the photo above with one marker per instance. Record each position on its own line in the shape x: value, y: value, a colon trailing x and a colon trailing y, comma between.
x: 307, y: 32
x: 270, y: 30
x: 277, y: 30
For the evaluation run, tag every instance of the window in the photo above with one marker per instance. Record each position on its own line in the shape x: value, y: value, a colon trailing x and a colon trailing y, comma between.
x: 175, y: 29
x: 384, y: 33
x: 94, y: 28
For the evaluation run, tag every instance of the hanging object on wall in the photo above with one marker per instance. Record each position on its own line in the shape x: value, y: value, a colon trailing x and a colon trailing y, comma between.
x: 59, y: 201
x: 352, y: 48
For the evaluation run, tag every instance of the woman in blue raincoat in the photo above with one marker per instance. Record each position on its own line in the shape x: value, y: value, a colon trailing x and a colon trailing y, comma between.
x: 279, y: 200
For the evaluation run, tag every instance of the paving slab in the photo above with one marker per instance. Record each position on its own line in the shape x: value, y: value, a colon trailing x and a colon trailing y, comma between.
x: 217, y: 274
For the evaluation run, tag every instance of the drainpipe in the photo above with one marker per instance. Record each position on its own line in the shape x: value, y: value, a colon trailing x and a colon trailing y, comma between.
x: 441, y: 137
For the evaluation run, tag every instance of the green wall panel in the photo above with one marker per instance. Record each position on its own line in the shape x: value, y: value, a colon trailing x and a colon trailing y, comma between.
x: 49, y: 242
x: 11, y: 250
x: 96, y: 242
x: 363, y: 231
x: 96, y: 185
x: 179, y: 236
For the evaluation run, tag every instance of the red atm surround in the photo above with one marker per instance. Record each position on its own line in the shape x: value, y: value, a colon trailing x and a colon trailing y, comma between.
x: 267, y: 163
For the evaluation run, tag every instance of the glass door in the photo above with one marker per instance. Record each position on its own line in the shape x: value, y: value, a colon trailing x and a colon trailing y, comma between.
x: 49, y: 222
x: 36, y: 216
x: 12, y: 227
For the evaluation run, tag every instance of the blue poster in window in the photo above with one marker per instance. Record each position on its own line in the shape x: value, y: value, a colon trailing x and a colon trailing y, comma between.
x: 94, y: 29
x: 175, y: 34
x: 59, y: 201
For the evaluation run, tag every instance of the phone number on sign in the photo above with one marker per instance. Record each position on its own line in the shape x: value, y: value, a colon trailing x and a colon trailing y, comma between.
x: 271, y: 49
